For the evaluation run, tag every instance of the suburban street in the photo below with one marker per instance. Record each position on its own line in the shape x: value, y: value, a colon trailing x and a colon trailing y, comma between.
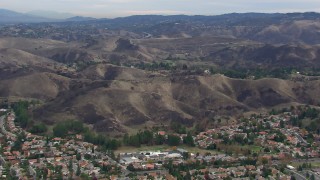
x: 297, y: 175
x: 3, y: 129
x: 317, y: 177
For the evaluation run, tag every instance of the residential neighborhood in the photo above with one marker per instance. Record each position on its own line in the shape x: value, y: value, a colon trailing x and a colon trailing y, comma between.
x: 40, y: 157
x: 262, y: 146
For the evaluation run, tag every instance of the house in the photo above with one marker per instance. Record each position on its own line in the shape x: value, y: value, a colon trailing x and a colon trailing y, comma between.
x: 274, y: 171
x: 169, y: 177
x: 182, y: 151
x: 9, y: 158
x: 153, y: 174
x: 250, y: 167
x: 2, y: 138
x: 162, y: 133
x: 174, y: 156
x: 137, y: 166
x: 79, y: 136
x: 32, y: 161
x: 149, y: 166
x: 209, y: 159
x: 222, y: 175
x: 14, y: 162
x: 263, y: 133
x: 238, y: 173
x: 129, y: 160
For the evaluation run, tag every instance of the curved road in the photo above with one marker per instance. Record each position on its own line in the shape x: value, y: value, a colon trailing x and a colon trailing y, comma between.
x: 298, y: 175
x: 3, y: 129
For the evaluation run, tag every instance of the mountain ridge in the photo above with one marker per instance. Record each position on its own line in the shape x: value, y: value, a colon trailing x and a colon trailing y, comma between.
x: 134, y: 19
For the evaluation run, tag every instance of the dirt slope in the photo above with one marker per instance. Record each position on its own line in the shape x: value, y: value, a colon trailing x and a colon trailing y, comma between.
x: 123, y: 102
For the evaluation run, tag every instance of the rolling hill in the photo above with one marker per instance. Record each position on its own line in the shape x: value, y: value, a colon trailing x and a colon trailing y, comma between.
x: 120, y: 75
x: 117, y: 100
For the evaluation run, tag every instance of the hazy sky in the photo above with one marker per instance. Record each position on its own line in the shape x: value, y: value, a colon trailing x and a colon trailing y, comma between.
x: 114, y: 8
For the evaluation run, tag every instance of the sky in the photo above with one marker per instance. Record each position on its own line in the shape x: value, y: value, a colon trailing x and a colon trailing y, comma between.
x: 117, y: 8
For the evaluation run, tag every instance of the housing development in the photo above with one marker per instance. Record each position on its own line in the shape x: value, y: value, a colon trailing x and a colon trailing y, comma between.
x: 264, y: 146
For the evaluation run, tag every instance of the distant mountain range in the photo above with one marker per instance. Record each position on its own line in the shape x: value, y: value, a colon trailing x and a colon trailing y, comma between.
x: 80, y: 18
x: 51, y: 14
x: 244, y: 19
x: 8, y: 17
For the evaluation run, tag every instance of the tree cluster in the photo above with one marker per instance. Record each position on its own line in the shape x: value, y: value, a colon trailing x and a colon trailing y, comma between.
x: 22, y: 116
x: 148, y: 137
x: 62, y: 129
x: 102, y: 141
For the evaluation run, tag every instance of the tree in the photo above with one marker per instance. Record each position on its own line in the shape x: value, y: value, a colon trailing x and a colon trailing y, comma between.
x: 70, y: 168
x: 87, y: 156
x: 18, y: 143
x: 266, y: 149
x: 78, y: 156
x: 39, y: 128
x: 212, y: 147
x: 178, y: 128
x: 312, y: 177
x: 106, y: 168
x: 45, y: 173
x: 150, y: 177
x: 159, y: 139
x: 60, y: 130
x: 134, y: 141
x: 185, y: 155
x: 21, y: 110
x: 281, y: 124
x: 75, y: 126
x: 78, y: 172
x: 187, y: 176
x: 266, y: 172
x: 130, y: 167
x: 126, y: 139
x: 279, y: 137
x: 188, y: 140
x: 59, y: 172
x: 85, y: 176
x: 173, y: 140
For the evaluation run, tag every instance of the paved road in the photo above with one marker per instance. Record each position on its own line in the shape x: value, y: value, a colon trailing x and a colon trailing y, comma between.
x: 317, y: 177
x: 124, y: 169
x: 309, y: 160
x: 300, y: 138
x: 163, y: 171
x: 297, y: 175
x: 297, y: 136
x: 3, y: 129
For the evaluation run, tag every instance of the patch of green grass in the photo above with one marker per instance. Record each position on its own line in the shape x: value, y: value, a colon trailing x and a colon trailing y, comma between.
x: 313, y: 164
x: 254, y: 148
x: 197, y: 150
